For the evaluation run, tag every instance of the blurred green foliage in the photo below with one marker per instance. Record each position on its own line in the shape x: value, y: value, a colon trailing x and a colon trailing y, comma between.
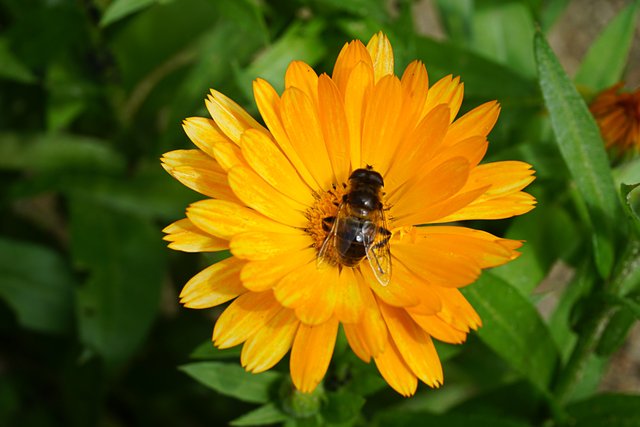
x: 93, y: 92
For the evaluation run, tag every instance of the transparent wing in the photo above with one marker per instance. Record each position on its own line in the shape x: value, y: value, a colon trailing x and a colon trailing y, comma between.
x: 378, y: 251
x: 324, y: 254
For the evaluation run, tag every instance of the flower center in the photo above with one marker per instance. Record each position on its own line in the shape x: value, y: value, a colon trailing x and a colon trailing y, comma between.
x: 322, y: 214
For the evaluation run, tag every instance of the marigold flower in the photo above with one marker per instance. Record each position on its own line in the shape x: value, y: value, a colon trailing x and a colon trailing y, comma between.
x: 273, y: 190
x: 618, y: 116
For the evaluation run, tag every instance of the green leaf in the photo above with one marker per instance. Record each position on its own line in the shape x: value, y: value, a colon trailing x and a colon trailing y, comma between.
x: 232, y: 380
x: 58, y: 153
x: 264, y: 415
x: 208, y: 351
x: 299, y: 42
x: 342, y: 407
x: 546, y: 223
x: 410, y: 419
x: 513, y: 328
x: 500, y: 30
x: 124, y: 258
x: 483, y: 78
x: 606, y: 59
x: 579, y: 140
x: 119, y: 9
x: 11, y: 67
x: 551, y: 11
x: 617, y: 329
x: 632, y: 215
x: 37, y: 283
x: 610, y: 410
x: 456, y: 16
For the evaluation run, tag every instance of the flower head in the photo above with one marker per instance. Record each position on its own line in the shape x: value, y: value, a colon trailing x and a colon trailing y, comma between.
x: 277, y: 191
x: 618, y: 115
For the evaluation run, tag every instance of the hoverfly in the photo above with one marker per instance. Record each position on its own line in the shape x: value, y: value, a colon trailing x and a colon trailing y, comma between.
x: 359, y: 229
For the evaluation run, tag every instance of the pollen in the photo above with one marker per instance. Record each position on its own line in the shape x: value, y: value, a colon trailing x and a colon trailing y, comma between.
x: 323, y: 212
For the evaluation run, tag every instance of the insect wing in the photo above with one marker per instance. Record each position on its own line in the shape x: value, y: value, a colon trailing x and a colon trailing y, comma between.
x: 327, y: 246
x: 378, y: 251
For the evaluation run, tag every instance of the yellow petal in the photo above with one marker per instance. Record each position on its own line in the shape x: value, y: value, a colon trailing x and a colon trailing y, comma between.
x: 440, y: 211
x: 321, y: 297
x: 415, y: 83
x: 334, y: 127
x: 417, y: 149
x: 473, y: 149
x: 435, y: 186
x: 414, y: 345
x: 368, y: 337
x: 228, y: 155
x: 484, y: 248
x: 429, y: 299
x: 431, y: 260
x: 447, y: 91
x: 204, y: 133
x: 382, y: 55
x: 503, y: 198
x: 245, y: 316
x: 229, y: 116
x: 226, y: 219
x: 309, y: 290
x: 259, y: 276
x: 356, y: 98
x: 352, y: 54
x: 396, y: 293
x: 395, y: 371
x: 185, y: 236
x: 504, y: 177
x: 457, y: 311
x: 269, y: 105
x: 262, y: 245
x: 300, y: 120
x: 199, y: 172
x: 303, y: 77
x: 496, y: 208
x: 214, y: 285
x: 356, y: 342
x: 256, y: 193
x: 380, y: 129
x: 439, y: 329
x: 350, y: 298
x: 267, y: 346
x: 477, y: 122
x: 269, y: 162
x: 311, y: 354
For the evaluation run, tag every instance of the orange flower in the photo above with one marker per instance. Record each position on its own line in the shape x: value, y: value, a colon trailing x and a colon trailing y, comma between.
x: 618, y: 116
x: 275, y: 190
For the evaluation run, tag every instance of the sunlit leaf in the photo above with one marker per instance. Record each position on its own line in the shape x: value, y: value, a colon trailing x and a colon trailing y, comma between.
x: 232, y: 380
x: 579, y: 140
x: 513, y: 328
x: 119, y: 9
x: 57, y: 153
x: 500, y: 30
x: 37, y: 283
x: 456, y: 18
x: 265, y: 415
x: 606, y: 59
x: 299, y: 42
x: 627, y: 191
x: 482, y: 77
x: 551, y: 11
x: 207, y: 351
